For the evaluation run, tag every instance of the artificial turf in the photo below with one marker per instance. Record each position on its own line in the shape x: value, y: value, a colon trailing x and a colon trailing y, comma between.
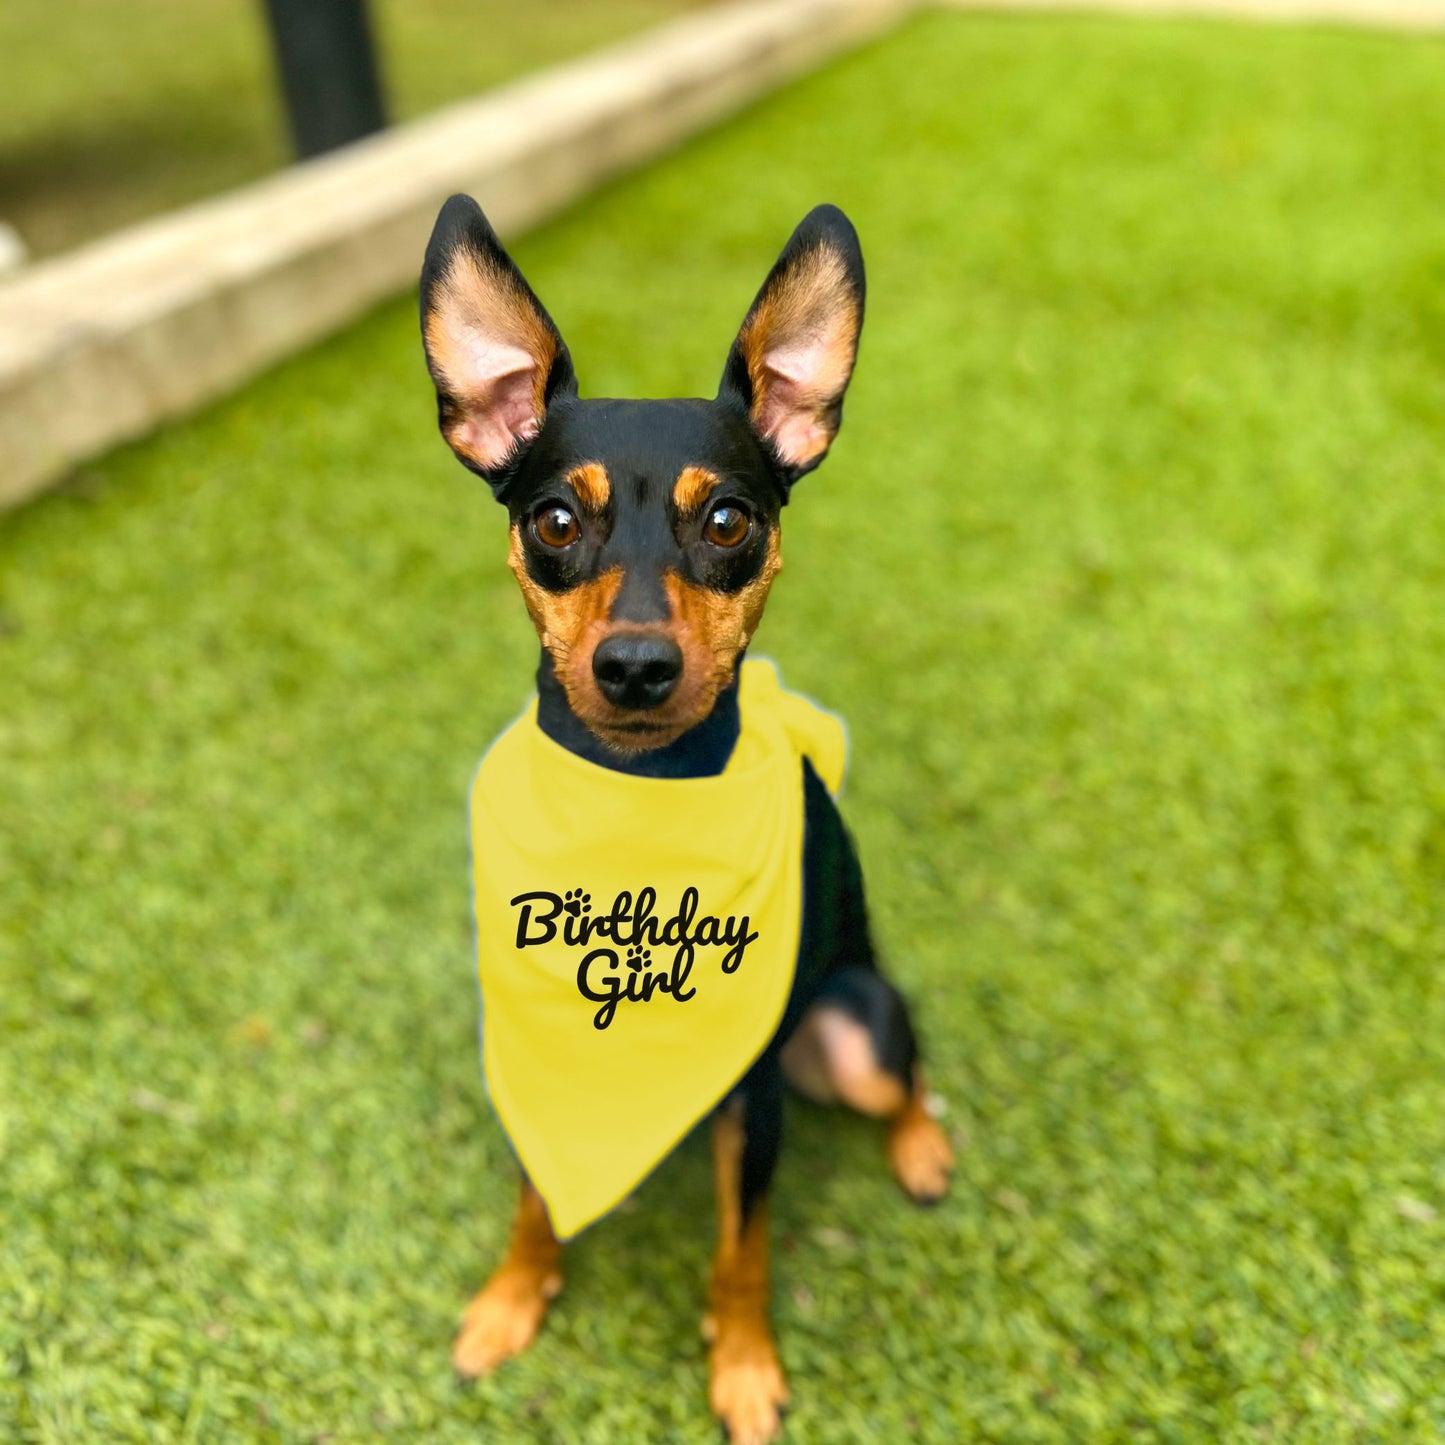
x: 1128, y: 572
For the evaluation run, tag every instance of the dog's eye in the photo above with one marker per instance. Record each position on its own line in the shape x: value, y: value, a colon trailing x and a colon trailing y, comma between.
x: 556, y: 527
x: 727, y: 526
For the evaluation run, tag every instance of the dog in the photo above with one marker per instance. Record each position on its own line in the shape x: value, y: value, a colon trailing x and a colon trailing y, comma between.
x: 644, y: 536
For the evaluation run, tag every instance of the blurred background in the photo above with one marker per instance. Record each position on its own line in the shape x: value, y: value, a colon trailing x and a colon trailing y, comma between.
x: 111, y: 112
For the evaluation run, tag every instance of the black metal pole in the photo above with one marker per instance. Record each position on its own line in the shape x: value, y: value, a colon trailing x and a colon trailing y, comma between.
x: 328, y: 70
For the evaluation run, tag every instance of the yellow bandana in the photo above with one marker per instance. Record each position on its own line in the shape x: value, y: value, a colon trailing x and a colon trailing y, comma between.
x: 637, y: 939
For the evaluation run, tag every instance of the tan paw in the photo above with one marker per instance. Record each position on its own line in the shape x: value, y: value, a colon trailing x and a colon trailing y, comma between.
x: 747, y: 1388
x: 503, y: 1319
x: 920, y: 1156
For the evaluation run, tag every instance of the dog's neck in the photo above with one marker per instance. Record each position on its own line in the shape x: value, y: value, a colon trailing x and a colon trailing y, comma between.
x: 701, y: 752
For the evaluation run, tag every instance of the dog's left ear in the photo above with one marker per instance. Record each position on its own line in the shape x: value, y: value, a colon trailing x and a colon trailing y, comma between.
x: 792, y: 360
x: 496, y: 358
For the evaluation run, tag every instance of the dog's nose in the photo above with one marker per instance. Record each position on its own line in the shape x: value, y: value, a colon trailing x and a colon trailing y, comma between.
x: 638, y: 669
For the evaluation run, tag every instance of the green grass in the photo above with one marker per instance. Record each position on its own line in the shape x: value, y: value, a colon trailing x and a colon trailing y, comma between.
x: 1128, y: 572
x: 112, y: 110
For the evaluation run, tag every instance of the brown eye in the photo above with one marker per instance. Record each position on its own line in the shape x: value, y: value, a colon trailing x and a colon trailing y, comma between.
x: 556, y: 527
x: 727, y: 526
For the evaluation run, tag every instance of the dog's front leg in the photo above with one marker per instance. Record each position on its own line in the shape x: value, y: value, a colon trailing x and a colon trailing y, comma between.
x: 746, y: 1379
x: 505, y: 1317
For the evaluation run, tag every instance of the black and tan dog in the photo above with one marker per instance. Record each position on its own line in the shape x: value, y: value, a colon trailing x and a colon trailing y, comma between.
x: 645, y: 537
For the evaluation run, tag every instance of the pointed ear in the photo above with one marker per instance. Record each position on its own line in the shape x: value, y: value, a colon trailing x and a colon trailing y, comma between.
x: 793, y: 357
x: 493, y: 352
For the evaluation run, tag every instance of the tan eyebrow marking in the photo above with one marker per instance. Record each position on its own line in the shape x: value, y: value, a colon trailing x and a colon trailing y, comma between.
x: 592, y: 485
x: 692, y: 487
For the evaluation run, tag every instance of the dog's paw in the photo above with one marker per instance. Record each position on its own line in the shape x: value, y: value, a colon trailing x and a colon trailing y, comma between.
x: 503, y: 1319
x: 920, y: 1156
x: 746, y: 1388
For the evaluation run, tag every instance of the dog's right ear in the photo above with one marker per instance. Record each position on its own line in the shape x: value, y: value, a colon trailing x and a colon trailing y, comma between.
x: 792, y: 360
x: 493, y: 352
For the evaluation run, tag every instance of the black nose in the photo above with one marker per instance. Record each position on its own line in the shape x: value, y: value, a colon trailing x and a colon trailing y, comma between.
x: 637, y: 669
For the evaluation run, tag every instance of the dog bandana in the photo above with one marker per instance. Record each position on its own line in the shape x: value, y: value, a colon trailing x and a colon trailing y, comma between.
x: 637, y: 939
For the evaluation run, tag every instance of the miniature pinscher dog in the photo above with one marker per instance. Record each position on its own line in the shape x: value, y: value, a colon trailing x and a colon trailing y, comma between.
x: 645, y: 537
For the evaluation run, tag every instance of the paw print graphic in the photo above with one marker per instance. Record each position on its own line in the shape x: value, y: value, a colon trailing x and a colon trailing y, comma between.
x: 637, y: 957
x: 577, y: 902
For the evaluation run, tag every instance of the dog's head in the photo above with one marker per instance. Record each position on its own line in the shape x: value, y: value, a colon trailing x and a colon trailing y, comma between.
x: 644, y: 534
